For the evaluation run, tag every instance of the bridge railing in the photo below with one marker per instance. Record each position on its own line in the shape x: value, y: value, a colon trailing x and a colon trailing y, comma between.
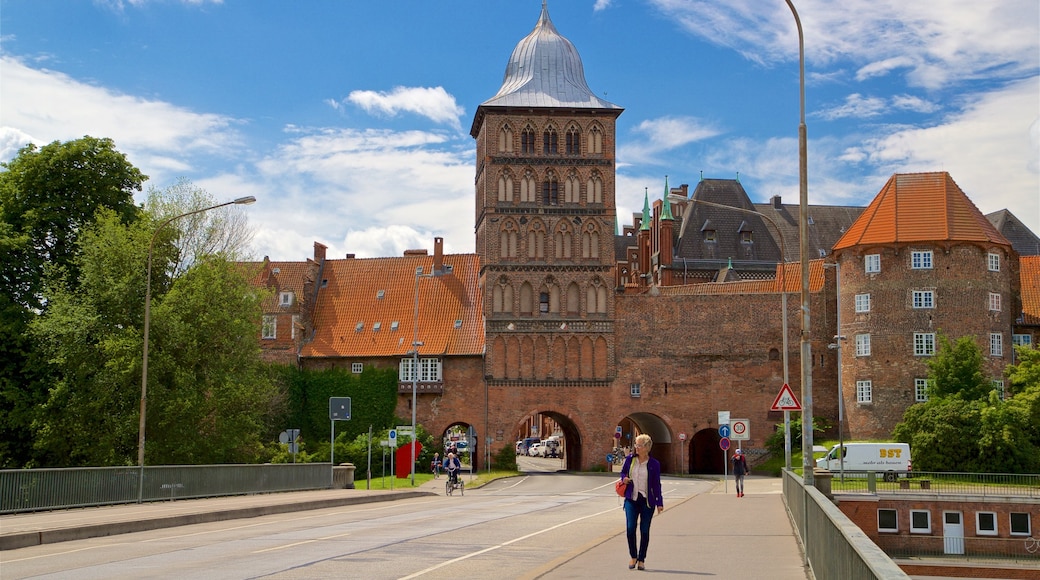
x: 834, y: 546
x: 28, y: 490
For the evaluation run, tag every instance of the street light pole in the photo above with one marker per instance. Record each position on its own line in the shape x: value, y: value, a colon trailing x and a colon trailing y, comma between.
x: 147, y: 322
x: 803, y: 251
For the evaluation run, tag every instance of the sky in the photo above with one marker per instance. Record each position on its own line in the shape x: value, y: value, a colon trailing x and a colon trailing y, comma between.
x: 349, y: 121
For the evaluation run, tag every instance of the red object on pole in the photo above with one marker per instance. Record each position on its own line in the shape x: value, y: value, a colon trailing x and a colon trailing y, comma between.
x: 403, y: 459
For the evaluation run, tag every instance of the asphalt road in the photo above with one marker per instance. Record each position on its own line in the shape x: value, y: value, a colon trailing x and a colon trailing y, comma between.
x: 503, y: 530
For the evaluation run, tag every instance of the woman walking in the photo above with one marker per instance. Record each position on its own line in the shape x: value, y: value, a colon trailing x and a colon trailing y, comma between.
x: 642, y: 476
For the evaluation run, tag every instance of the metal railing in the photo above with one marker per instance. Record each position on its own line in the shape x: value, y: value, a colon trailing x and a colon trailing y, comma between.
x: 960, y: 549
x: 28, y: 490
x: 941, y: 483
x: 835, y: 547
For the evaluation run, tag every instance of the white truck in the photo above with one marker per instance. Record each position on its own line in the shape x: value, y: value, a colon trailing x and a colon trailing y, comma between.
x: 889, y: 459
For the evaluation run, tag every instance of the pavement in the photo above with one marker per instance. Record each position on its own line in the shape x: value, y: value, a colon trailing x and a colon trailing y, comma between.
x: 712, y: 534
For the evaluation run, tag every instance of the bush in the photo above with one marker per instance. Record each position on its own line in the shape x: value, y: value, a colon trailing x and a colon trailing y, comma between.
x: 504, y: 459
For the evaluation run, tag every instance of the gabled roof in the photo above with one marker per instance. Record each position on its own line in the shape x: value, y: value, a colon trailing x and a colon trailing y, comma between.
x: 727, y: 225
x: 359, y: 294
x: 278, y: 277
x: 1030, y: 275
x: 1022, y: 239
x: 920, y: 207
x: 792, y: 272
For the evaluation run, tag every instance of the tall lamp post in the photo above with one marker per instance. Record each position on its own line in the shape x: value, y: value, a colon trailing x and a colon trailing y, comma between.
x: 416, y: 343
x: 147, y: 323
x: 783, y: 309
x: 803, y: 251
x: 839, y: 340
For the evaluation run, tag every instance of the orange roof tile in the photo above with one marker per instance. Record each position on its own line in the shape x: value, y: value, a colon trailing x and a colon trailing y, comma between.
x: 920, y: 207
x: 792, y: 270
x: 1030, y: 275
x: 363, y: 293
x: 279, y: 277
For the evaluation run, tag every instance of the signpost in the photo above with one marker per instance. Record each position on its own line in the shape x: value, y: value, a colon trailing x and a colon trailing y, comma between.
x: 741, y: 429
x: 786, y: 401
x: 682, y: 454
x: 339, y: 410
x: 724, y: 433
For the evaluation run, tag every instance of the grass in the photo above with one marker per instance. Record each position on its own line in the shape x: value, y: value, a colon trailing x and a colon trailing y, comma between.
x: 385, y: 483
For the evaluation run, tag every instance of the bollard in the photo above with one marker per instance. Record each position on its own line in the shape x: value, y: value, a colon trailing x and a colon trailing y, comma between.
x: 343, y: 476
x: 872, y: 482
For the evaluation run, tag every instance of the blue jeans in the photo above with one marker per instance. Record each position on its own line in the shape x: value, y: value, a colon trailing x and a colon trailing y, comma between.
x: 638, y: 510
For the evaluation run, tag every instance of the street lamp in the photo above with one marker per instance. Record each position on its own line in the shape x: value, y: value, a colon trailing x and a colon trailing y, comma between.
x: 783, y: 309
x: 839, y: 340
x: 416, y: 343
x: 147, y: 322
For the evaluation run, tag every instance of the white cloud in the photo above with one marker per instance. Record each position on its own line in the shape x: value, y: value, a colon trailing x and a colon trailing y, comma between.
x: 433, y: 103
x: 601, y: 5
x: 855, y: 105
x: 654, y: 136
x: 883, y: 67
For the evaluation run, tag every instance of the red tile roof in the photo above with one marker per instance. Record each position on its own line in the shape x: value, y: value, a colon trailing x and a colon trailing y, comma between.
x: 278, y: 277
x: 349, y: 307
x: 920, y: 207
x: 792, y: 272
x: 1030, y: 275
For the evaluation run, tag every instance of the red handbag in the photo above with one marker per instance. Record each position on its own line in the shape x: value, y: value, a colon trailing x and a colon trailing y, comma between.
x: 620, y: 487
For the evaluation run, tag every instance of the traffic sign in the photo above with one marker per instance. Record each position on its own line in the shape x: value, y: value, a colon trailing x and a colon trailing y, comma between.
x: 724, y: 431
x: 393, y: 438
x: 682, y: 436
x: 339, y: 408
x: 723, y: 417
x: 786, y: 401
x: 741, y: 429
x: 724, y: 443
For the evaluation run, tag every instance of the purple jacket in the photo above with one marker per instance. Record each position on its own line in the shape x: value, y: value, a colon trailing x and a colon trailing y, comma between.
x: 653, y: 482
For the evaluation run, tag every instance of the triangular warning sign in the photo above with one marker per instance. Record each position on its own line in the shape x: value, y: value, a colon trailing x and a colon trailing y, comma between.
x: 786, y: 401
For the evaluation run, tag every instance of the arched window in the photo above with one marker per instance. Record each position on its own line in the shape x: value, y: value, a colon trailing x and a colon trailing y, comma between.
x: 590, y: 242
x: 550, y: 141
x: 596, y: 297
x: 563, y: 241
x: 536, y: 241
x: 573, y: 140
x: 526, y: 299
x: 596, y: 140
x: 594, y: 189
x: 571, y: 188
x: 554, y: 298
x: 508, y: 240
x: 573, y: 299
x: 505, y: 187
x: 505, y: 139
x: 503, y: 296
x: 527, y: 140
x: 550, y: 190
x: 527, y: 187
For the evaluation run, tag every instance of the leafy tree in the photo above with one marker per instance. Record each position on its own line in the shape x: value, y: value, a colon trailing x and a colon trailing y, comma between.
x: 957, y: 370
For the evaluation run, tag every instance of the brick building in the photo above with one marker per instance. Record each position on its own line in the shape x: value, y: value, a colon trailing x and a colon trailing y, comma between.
x: 558, y: 320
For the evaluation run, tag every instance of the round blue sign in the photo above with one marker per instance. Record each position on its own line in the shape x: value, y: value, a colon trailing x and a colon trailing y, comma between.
x: 724, y: 443
x: 724, y: 430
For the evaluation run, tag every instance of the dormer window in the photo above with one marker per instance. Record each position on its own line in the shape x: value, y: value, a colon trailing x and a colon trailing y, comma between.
x: 359, y: 327
x: 285, y: 298
x: 709, y: 235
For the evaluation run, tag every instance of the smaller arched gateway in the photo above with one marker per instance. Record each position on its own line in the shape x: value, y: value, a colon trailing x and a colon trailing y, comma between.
x: 543, y: 425
x: 705, y: 454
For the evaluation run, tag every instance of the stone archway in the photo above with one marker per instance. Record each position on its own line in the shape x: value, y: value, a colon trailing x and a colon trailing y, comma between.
x: 658, y: 431
x: 454, y: 436
x: 545, y: 424
x: 705, y: 455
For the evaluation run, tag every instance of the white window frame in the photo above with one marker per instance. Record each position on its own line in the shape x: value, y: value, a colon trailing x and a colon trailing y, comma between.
x: 430, y: 370
x: 1022, y: 339
x: 635, y: 390
x: 357, y: 368
x: 862, y: 345
x: 895, y: 515
x: 872, y: 263
x: 921, y: 390
x: 994, y: 302
x: 978, y: 524
x: 285, y: 298
x: 921, y: 260
x: 269, y: 327
x: 864, y: 392
x: 927, y: 529
x: 924, y: 344
x: 923, y: 299
x: 996, y: 344
x: 998, y: 386
x: 1029, y: 525
x: 862, y: 302
x: 993, y: 262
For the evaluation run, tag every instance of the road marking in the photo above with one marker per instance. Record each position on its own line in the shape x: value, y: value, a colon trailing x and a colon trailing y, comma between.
x: 276, y: 548
x: 504, y: 544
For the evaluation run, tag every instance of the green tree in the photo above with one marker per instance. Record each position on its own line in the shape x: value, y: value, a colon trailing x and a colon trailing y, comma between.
x: 957, y: 370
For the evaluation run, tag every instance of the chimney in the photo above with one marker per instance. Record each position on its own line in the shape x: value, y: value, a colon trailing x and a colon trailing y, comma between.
x: 438, y: 255
x: 350, y: 256
x: 775, y: 200
x: 319, y: 252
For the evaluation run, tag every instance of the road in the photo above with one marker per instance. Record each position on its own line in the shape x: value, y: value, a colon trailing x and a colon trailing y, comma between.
x: 511, y: 528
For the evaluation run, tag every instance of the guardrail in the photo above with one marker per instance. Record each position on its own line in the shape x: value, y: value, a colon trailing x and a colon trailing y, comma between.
x: 834, y: 546
x: 28, y: 490
x: 999, y: 550
x: 948, y: 483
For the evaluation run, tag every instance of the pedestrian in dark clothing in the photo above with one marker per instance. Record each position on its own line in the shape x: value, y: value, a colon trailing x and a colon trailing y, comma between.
x: 642, y: 476
x: 740, y: 469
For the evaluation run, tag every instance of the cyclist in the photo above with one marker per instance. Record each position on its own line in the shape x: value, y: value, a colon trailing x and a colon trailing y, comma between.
x: 452, y: 466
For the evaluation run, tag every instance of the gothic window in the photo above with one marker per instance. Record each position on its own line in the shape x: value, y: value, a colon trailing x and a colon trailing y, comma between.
x: 508, y: 241
x: 563, y: 241
x: 527, y: 188
x: 503, y: 296
x: 590, y: 242
x: 573, y: 140
x: 527, y: 140
x: 573, y: 299
x: 594, y: 189
x: 543, y: 302
x: 571, y: 188
x: 596, y: 298
x: 505, y: 139
x: 536, y: 241
x: 596, y: 140
x: 550, y: 141
x: 526, y: 299
x: 505, y: 187
x: 554, y: 298
x: 550, y: 190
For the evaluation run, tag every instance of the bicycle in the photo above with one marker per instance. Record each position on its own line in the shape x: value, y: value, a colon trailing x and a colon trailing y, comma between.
x: 454, y: 482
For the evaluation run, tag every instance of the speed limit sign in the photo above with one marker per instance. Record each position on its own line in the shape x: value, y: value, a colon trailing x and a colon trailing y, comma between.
x: 740, y: 429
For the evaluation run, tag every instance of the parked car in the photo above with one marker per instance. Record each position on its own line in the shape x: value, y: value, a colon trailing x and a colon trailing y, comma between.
x: 533, y: 450
x: 550, y: 448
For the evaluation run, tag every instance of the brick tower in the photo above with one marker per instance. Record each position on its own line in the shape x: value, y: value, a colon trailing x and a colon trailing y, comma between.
x: 545, y: 219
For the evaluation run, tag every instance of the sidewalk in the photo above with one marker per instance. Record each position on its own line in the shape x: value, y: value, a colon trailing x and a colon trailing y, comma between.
x: 715, y: 534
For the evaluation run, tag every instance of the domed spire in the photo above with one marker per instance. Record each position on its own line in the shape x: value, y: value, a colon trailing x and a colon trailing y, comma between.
x: 546, y: 71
